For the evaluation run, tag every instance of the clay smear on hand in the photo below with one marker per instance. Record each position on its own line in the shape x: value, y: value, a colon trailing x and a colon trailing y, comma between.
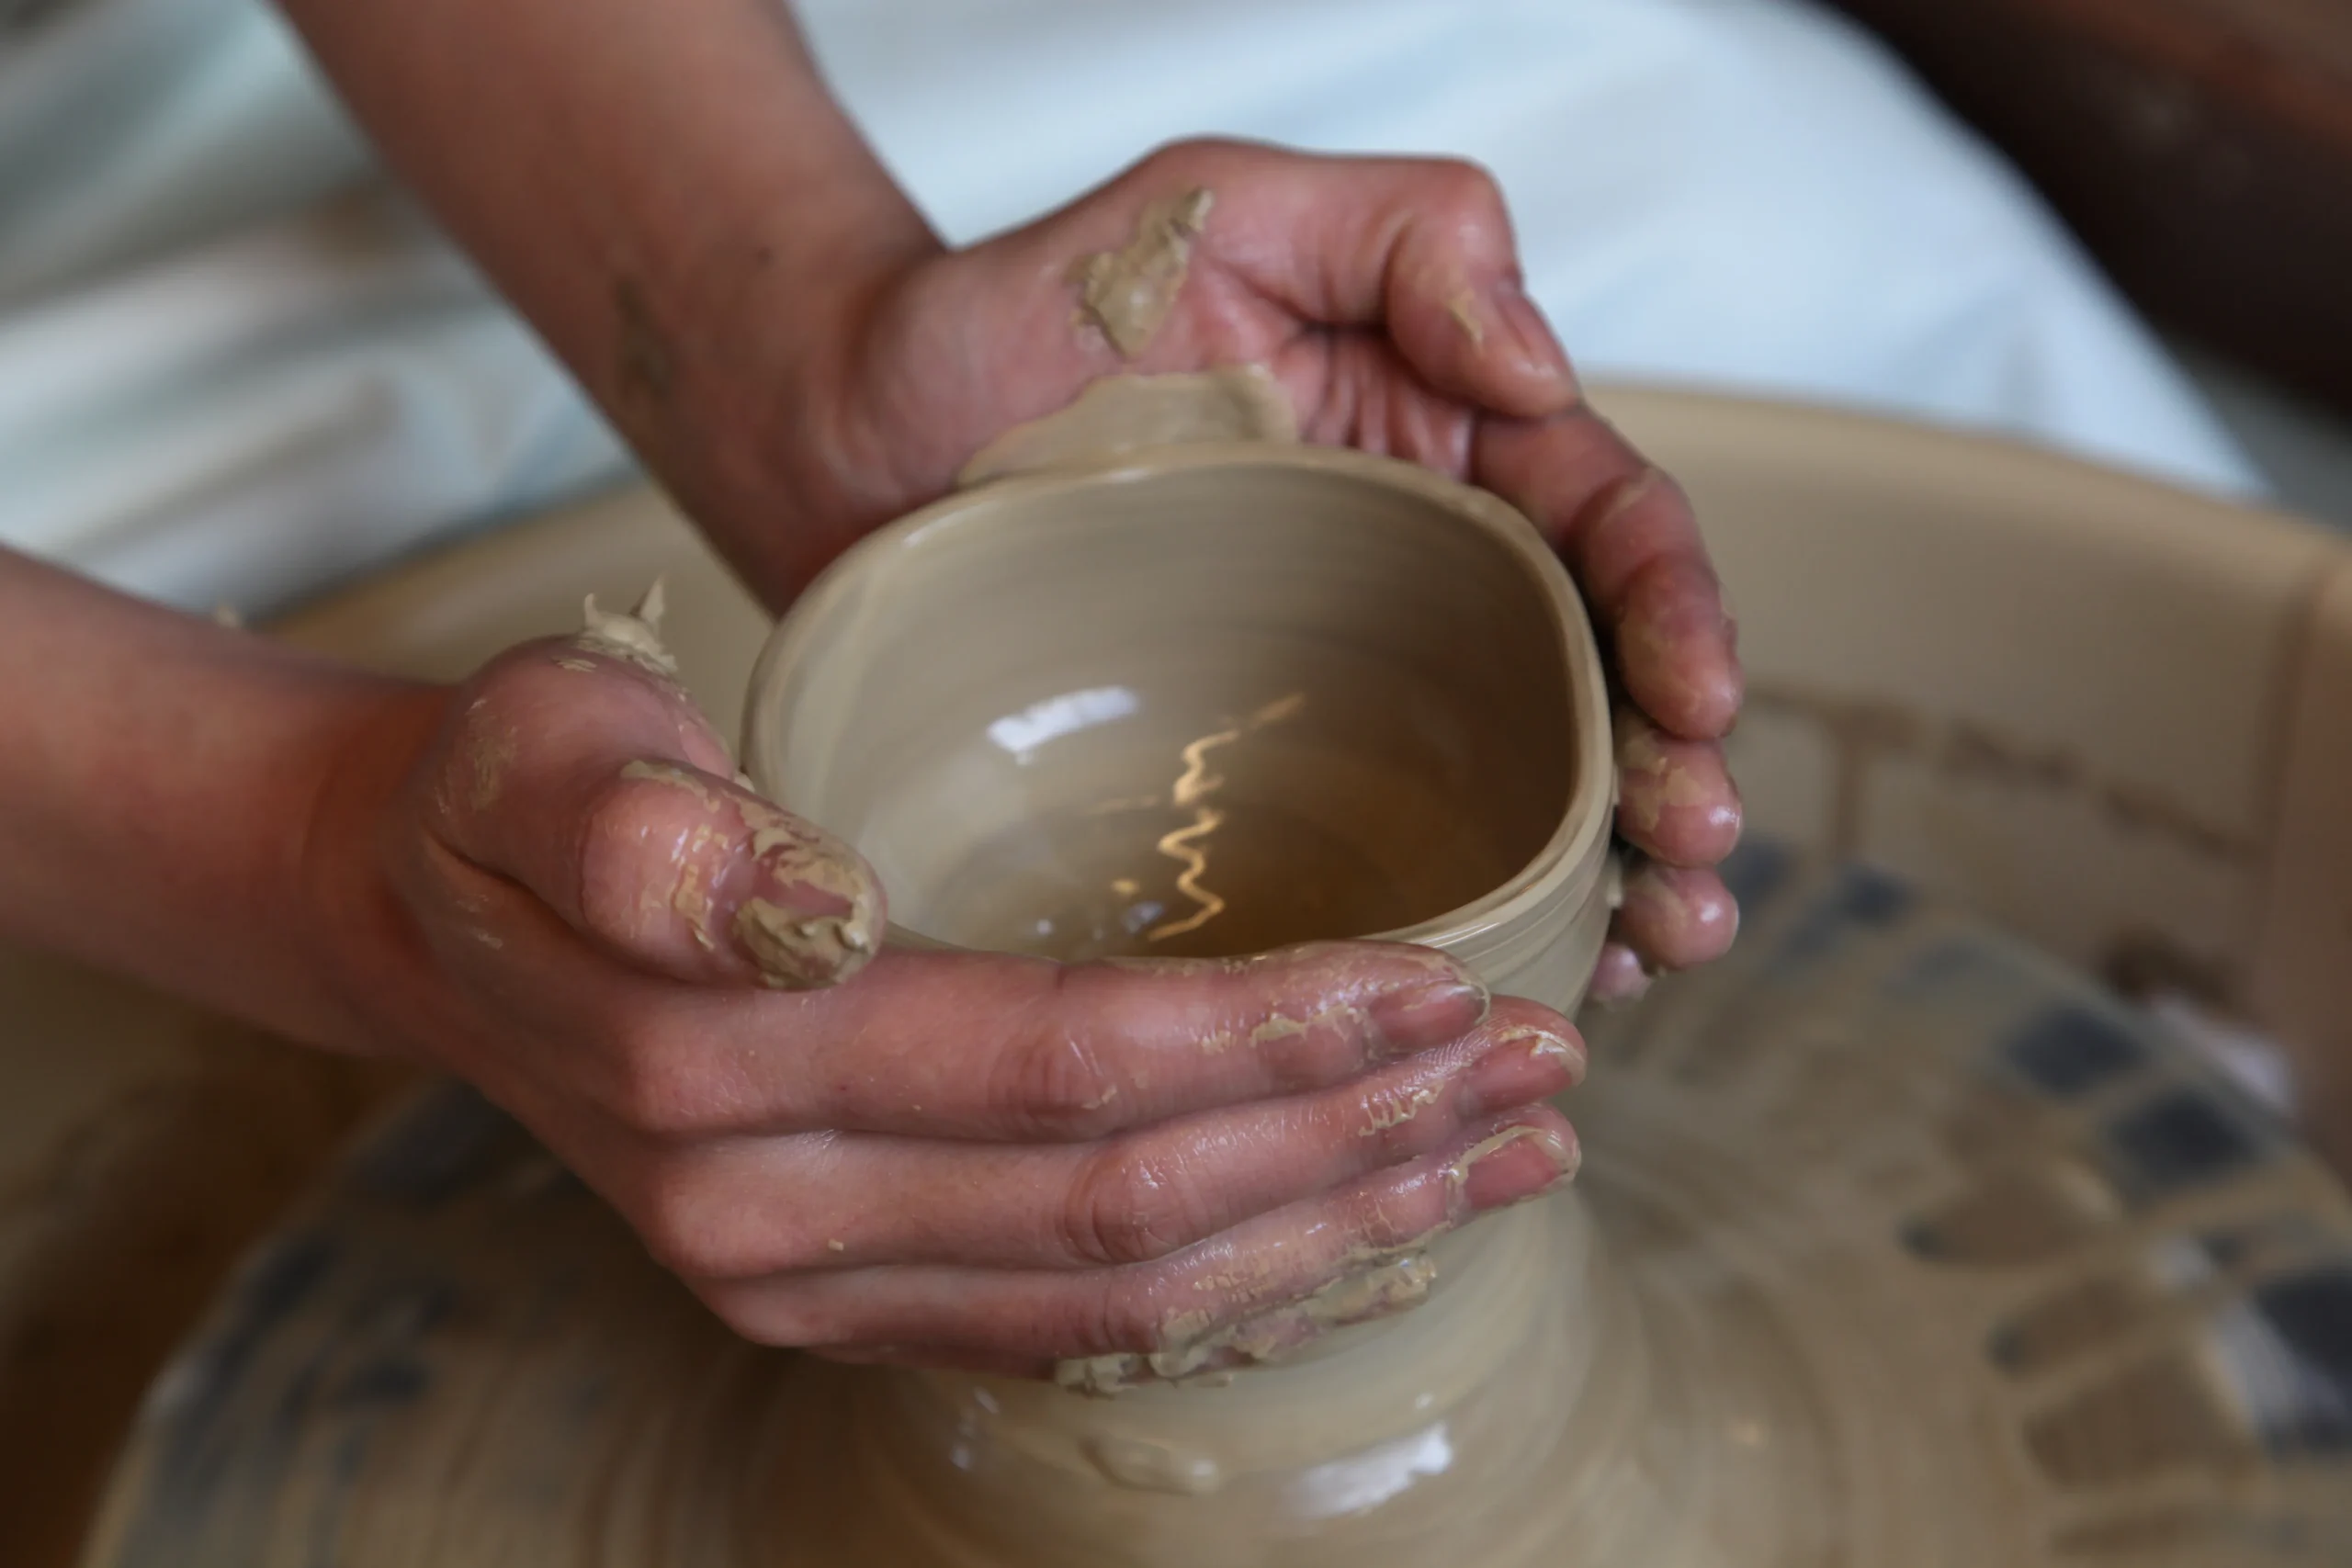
x: 1650, y: 782
x: 1381, y: 1283
x: 812, y: 915
x: 1136, y: 413
x: 1129, y: 292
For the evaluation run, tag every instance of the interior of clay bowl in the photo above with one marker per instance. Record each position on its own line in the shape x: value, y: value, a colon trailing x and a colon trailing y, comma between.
x: 1201, y: 706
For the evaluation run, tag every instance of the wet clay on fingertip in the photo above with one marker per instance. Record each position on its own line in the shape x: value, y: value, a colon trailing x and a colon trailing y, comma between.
x: 813, y: 915
x: 830, y: 925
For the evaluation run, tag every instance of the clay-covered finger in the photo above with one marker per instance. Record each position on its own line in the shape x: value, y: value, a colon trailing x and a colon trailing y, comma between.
x: 1675, y: 801
x: 1255, y: 1293
x: 582, y: 770
x: 1630, y: 538
x: 980, y: 1046
x: 859, y: 1200
x: 1675, y: 917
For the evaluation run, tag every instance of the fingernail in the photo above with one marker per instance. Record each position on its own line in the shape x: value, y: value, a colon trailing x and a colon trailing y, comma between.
x: 816, y: 916
x: 1511, y: 1167
x: 1539, y: 350
x: 1522, y: 1067
x: 1424, y: 1017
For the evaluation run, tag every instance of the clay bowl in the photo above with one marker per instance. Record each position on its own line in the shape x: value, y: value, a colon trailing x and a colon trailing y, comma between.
x: 1208, y: 701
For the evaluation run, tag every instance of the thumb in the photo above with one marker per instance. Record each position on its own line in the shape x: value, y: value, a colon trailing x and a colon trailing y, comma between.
x: 580, y: 769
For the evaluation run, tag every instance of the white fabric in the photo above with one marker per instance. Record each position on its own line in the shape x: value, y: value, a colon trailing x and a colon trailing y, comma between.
x: 216, y: 384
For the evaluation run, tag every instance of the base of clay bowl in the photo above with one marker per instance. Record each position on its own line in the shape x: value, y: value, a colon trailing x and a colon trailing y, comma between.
x: 1897, y: 1247
x: 1208, y: 701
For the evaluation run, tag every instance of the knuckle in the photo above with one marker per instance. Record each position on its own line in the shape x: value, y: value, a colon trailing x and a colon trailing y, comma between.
x: 1466, y: 192
x: 659, y: 1089
x: 1053, y: 1084
x: 1188, y: 158
x: 615, y: 826
x: 1119, y: 1317
x: 703, y: 1219
x: 686, y: 1232
x: 1130, y: 1207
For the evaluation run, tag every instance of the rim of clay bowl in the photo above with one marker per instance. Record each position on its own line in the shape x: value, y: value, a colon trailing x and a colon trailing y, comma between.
x: 1576, y: 847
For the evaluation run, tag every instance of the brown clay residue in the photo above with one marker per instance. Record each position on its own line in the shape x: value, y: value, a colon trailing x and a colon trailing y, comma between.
x: 1127, y: 293
x: 1862, y: 732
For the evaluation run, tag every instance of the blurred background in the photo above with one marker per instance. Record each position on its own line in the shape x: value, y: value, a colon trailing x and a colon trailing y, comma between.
x: 236, y: 367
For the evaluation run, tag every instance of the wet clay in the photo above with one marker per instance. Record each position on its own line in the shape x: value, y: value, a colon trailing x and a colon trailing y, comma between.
x: 796, y: 949
x: 1120, y: 414
x: 1895, y: 1246
x: 1126, y: 294
x: 634, y: 637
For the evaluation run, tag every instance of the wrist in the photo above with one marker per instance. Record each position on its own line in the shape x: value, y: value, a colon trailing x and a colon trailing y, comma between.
x: 375, y: 982
x: 769, y: 457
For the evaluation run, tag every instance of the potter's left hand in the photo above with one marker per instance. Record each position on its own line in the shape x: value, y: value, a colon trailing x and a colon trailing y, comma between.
x: 1384, y: 295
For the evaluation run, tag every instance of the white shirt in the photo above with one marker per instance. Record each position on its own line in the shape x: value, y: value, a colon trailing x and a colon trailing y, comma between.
x: 235, y: 367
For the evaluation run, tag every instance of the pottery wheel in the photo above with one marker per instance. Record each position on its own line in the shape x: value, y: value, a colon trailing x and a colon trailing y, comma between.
x: 1919, y: 1250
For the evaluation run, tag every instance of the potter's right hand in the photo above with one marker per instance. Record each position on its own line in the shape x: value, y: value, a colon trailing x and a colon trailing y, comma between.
x: 964, y: 1159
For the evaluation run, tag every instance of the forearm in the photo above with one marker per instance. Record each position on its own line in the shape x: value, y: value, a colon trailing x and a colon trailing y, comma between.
x: 158, y: 792
x: 665, y: 188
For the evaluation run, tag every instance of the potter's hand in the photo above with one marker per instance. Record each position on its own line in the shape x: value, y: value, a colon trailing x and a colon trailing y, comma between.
x: 739, y: 283
x: 1383, y: 296
x: 957, y: 1159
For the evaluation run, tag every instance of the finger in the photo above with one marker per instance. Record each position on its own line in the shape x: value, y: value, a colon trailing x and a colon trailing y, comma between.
x: 1675, y: 801
x: 1422, y: 247
x: 1619, y: 976
x: 587, y: 776
x: 1676, y: 918
x: 858, y: 1201
x: 1252, y: 1294
x: 981, y: 1045
x: 1629, y: 536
